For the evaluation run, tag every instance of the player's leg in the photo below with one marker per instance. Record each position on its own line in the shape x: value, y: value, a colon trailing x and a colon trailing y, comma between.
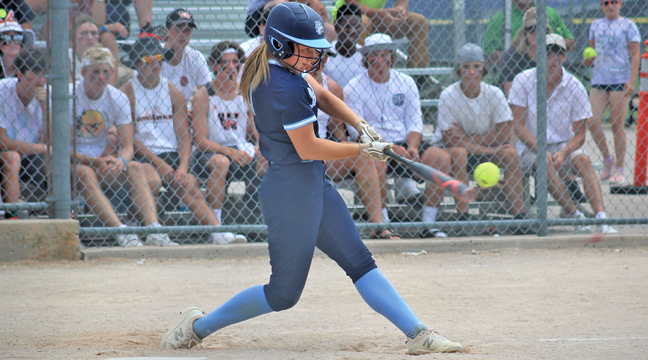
x: 618, y: 109
x: 10, y: 163
x: 88, y: 183
x: 439, y: 159
x: 580, y: 164
x: 137, y: 176
x: 508, y: 159
x: 599, y: 100
x: 218, y: 167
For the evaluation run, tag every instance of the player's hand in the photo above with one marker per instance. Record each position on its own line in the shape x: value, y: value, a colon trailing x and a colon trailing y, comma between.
x: 557, y: 160
x: 376, y: 150
x: 41, y: 96
x: 413, y: 154
x: 166, y: 172
x: 549, y: 159
x: 181, y: 178
x: 240, y: 157
x: 118, y: 29
x: 629, y: 88
x: 367, y: 132
x: 402, y: 151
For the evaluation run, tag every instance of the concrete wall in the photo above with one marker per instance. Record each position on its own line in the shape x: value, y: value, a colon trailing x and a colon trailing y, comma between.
x: 39, y: 240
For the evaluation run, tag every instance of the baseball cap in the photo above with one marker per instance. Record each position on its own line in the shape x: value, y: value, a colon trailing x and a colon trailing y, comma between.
x: 378, y: 42
x: 470, y: 53
x: 556, y: 40
x: 181, y: 16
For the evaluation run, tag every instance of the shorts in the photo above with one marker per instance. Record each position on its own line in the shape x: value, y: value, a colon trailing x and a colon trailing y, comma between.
x: 32, y: 170
x: 199, y: 167
x: 528, y: 158
x: 608, y: 88
x: 394, y: 167
x: 172, y: 158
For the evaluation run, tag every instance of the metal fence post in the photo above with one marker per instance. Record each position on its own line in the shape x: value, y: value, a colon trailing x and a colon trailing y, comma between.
x: 59, y: 44
x: 541, y: 136
x: 459, y: 15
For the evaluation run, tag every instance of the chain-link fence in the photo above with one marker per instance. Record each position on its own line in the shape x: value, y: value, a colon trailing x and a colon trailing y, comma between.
x: 164, y: 149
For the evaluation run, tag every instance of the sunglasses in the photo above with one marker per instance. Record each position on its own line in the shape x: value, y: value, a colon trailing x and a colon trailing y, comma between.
x: 17, y: 38
x: 608, y: 3
x: 150, y: 58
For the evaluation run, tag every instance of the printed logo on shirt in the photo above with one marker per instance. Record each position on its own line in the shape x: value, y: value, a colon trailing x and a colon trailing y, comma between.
x: 154, y: 115
x: 311, y: 95
x: 398, y: 99
x: 184, y: 81
x: 229, y: 120
x: 90, y: 124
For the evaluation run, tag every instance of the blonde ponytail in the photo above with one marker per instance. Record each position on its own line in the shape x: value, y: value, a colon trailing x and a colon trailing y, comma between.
x: 255, y: 71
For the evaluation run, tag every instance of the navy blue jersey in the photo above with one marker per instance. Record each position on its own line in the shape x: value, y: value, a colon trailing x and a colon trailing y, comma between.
x: 284, y: 102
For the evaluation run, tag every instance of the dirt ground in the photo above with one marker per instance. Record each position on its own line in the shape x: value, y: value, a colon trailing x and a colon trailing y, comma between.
x: 508, y: 304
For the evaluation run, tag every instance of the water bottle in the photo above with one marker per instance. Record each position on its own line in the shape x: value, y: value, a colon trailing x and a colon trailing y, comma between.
x: 80, y: 201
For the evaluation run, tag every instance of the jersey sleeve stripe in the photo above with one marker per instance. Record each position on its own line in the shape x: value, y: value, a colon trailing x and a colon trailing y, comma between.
x: 301, y: 123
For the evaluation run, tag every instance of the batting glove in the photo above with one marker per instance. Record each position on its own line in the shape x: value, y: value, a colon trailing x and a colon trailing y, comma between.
x: 375, y: 150
x: 367, y: 132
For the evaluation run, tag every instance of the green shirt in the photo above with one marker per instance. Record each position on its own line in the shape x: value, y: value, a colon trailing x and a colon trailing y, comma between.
x: 494, y: 36
x: 374, y: 4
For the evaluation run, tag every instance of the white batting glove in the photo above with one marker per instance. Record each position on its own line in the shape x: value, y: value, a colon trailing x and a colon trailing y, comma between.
x: 376, y: 150
x: 367, y: 132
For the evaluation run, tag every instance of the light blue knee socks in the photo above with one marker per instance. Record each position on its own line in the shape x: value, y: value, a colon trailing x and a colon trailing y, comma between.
x: 381, y: 296
x: 245, y: 305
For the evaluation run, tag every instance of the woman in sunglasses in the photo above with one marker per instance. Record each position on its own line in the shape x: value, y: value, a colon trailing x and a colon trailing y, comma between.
x: 616, y: 66
x: 12, y: 39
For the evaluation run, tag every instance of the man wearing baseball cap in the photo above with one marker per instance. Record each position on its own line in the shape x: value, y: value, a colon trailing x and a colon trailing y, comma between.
x: 188, y: 68
x: 475, y: 118
x: 568, y: 109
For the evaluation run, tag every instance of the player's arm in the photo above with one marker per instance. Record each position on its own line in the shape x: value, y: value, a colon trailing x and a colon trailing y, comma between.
x: 181, y: 126
x: 525, y: 136
x: 200, y: 113
x: 500, y: 135
x: 635, y: 59
x: 587, y: 62
x: 310, y: 147
x: 576, y: 142
x: 20, y: 147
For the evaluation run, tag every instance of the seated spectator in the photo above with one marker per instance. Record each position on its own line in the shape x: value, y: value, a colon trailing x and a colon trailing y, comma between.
x: 188, y: 68
x: 250, y: 45
x: 256, y: 8
x: 224, y: 133
x: 493, y: 42
x: 100, y: 106
x: 616, y: 66
x: 163, y: 133
x: 389, y: 101
x: 87, y: 35
x: 475, y: 116
x: 117, y: 13
x: 568, y: 110
x: 12, y: 39
x: 21, y: 125
x: 22, y: 12
x: 348, y: 63
x: 362, y: 168
x: 396, y: 22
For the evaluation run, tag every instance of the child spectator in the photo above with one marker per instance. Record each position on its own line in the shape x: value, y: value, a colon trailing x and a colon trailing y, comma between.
x: 616, y: 66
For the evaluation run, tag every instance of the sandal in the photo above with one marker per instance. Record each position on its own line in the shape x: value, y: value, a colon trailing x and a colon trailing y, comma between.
x: 385, y: 234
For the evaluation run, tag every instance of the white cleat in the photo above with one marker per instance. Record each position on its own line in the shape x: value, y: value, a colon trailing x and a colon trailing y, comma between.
x: 430, y: 341
x: 581, y: 228
x: 129, y: 240
x: 608, y: 229
x: 159, y: 240
x: 182, y: 335
x: 227, y: 238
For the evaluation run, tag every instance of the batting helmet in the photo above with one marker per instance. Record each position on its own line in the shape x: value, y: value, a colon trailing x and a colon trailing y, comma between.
x: 290, y: 23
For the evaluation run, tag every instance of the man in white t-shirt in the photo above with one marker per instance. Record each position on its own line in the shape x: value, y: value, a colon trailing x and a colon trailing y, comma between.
x: 476, y: 117
x: 568, y: 109
x: 98, y: 107
x: 348, y: 62
x: 22, y: 105
x: 188, y: 68
x: 389, y: 101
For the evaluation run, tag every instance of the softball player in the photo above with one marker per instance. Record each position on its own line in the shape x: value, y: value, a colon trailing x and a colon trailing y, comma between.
x: 300, y: 206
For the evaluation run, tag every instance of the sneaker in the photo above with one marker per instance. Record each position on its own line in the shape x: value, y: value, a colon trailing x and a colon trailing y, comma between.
x: 182, y: 335
x: 129, y: 240
x: 580, y: 228
x: 432, y: 233
x: 227, y: 238
x: 608, y: 229
x: 607, y: 168
x: 429, y: 341
x: 617, y: 176
x: 405, y: 189
x: 160, y: 240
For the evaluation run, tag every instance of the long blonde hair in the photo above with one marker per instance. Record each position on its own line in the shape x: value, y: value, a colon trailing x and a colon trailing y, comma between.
x: 255, y: 71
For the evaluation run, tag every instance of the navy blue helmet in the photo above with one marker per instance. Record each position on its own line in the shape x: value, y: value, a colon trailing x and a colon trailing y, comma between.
x: 291, y: 23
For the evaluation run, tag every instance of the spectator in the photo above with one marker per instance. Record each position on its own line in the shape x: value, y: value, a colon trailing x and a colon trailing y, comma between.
x: 362, y: 168
x: 117, y: 13
x: 348, y: 63
x: 616, y: 40
x: 397, y: 22
x: 389, y: 101
x: 87, y: 35
x: 522, y: 53
x: 475, y: 116
x: 567, y: 112
x: 13, y: 38
x: 21, y: 125
x: 256, y: 9
x: 22, y: 12
x: 188, y: 68
x: 250, y: 45
x: 223, y: 128
x: 494, y: 37
x: 162, y: 135
x: 98, y: 107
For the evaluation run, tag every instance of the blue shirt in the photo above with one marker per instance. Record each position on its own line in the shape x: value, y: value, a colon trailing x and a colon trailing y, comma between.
x: 285, y: 101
